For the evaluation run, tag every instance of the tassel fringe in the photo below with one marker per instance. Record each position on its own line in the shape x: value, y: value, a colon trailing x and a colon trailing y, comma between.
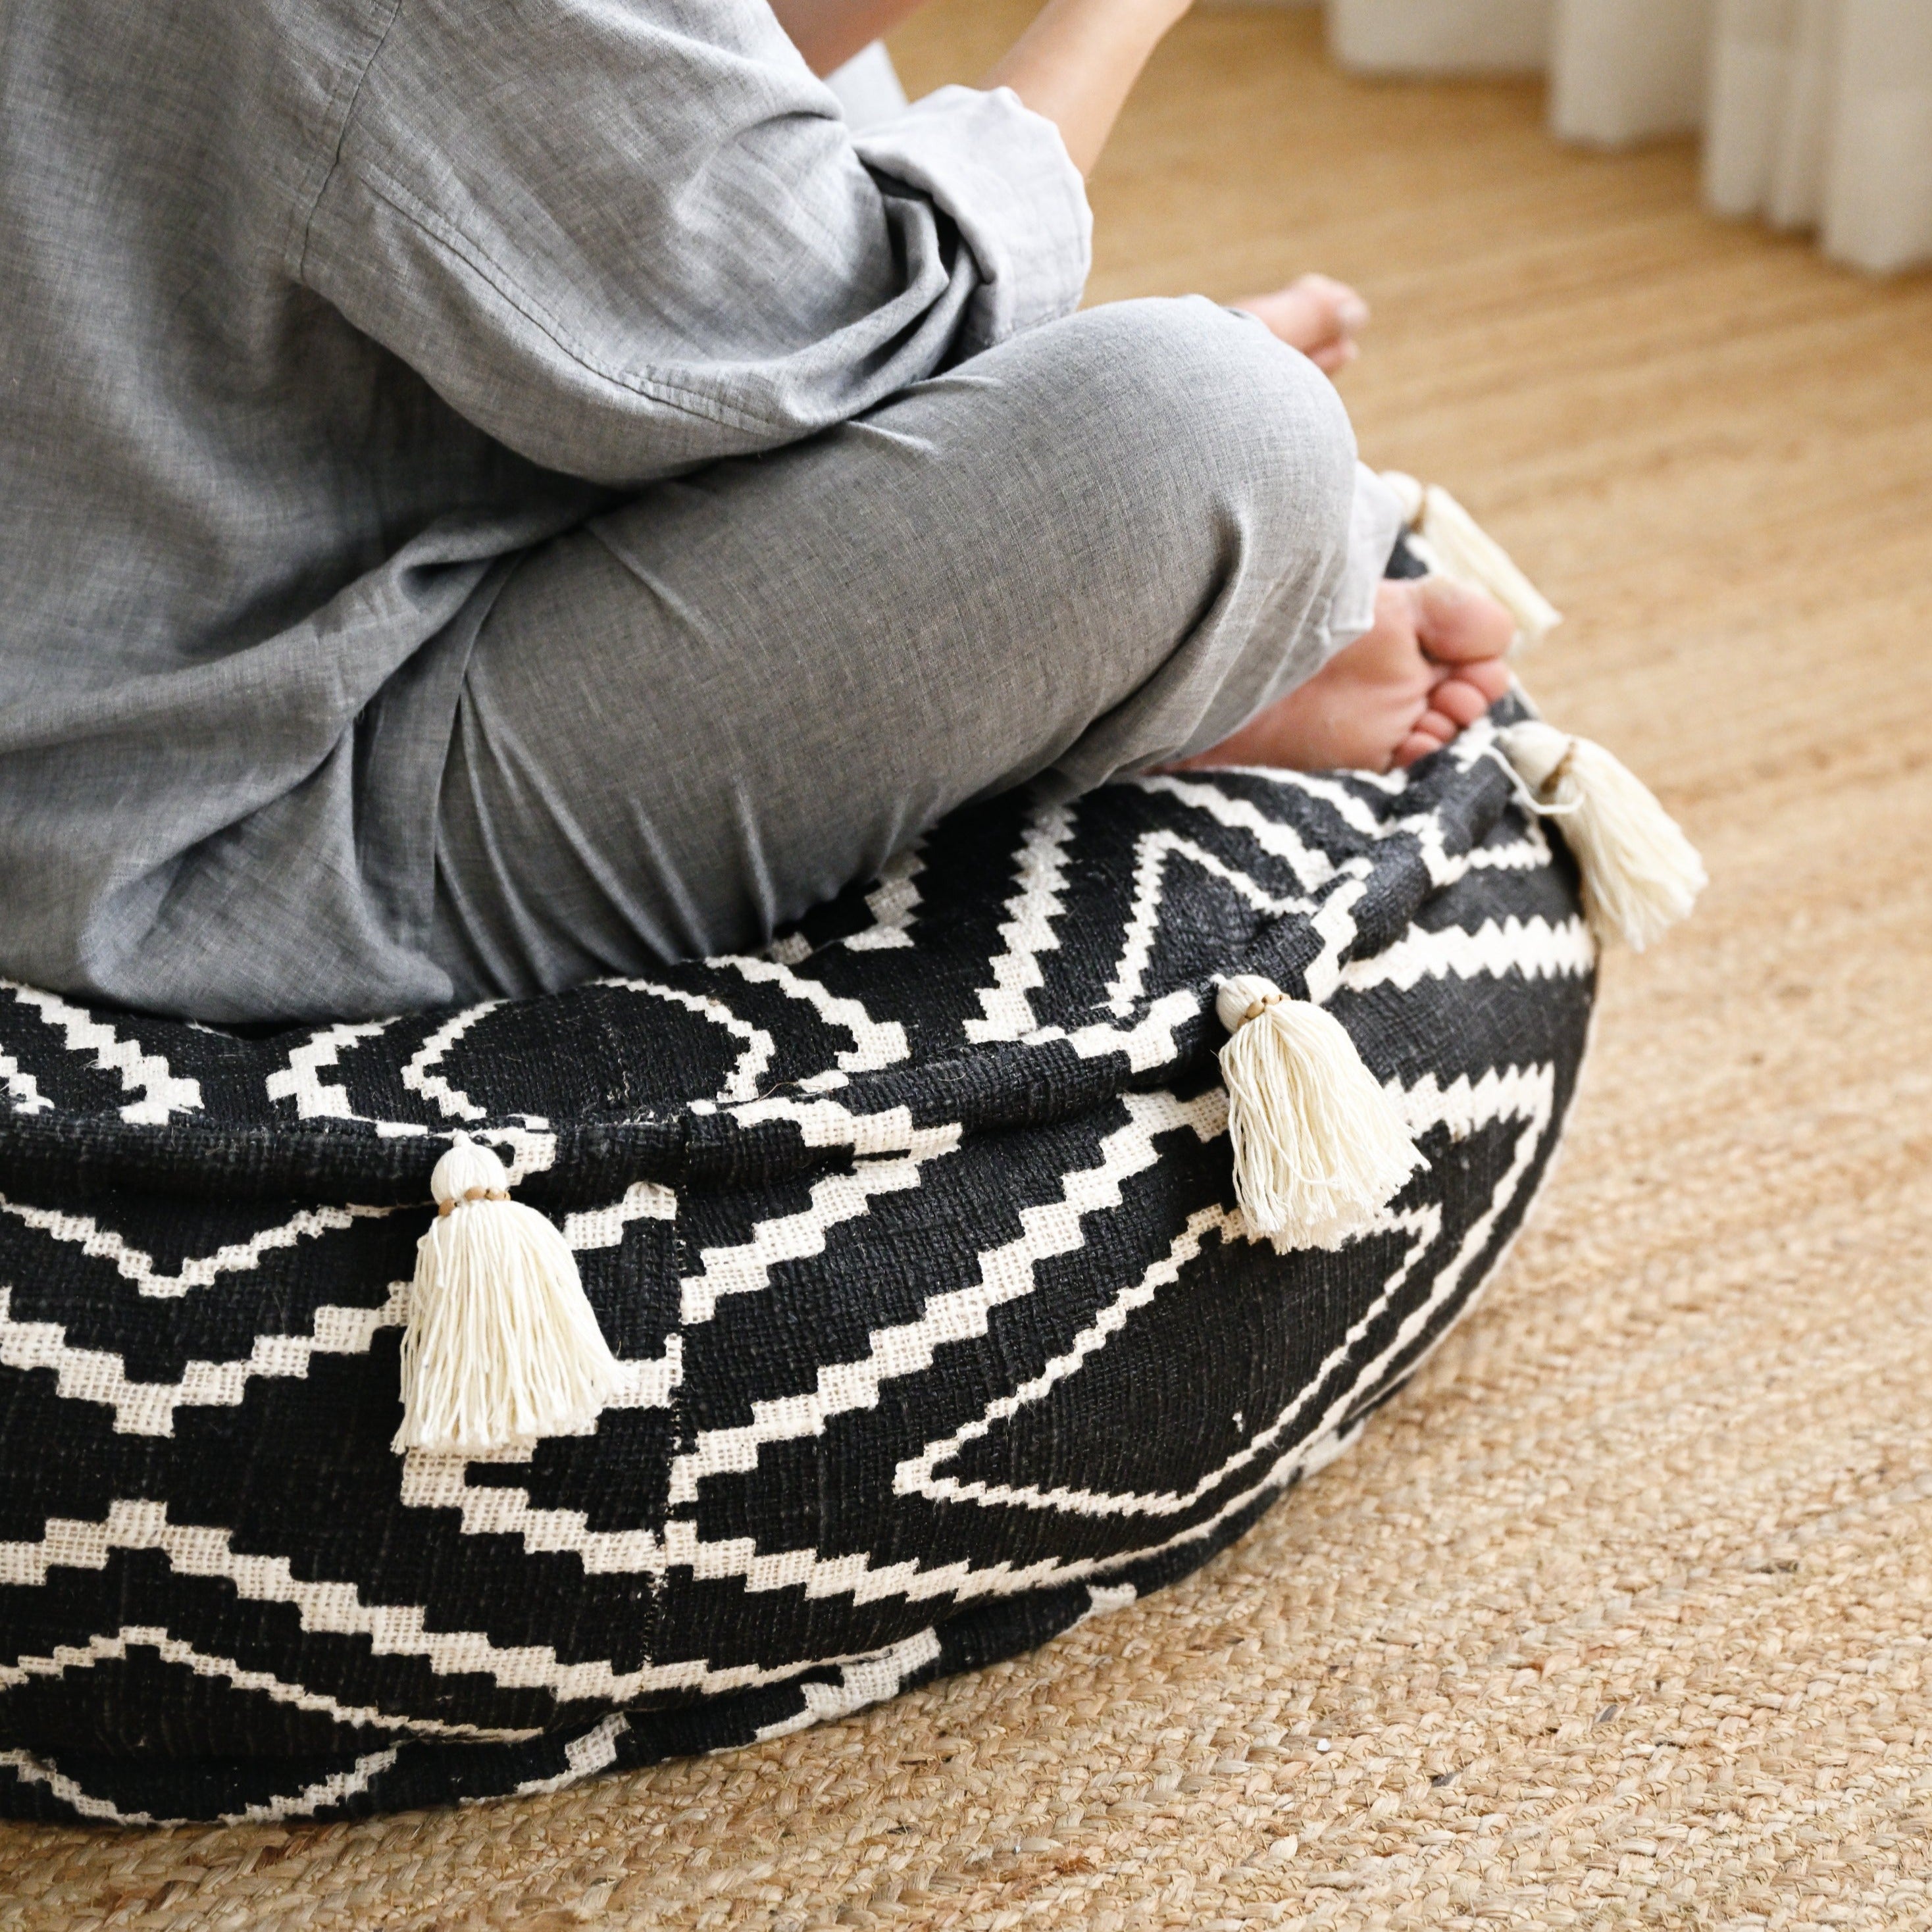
x: 501, y: 1346
x: 1640, y: 873
x: 1319, y: 1149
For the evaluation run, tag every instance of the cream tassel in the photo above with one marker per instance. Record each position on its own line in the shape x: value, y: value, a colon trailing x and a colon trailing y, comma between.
x: 1640, y: 873
x: 501, y: 1346
x: 1453, y: 545
x: 1320, y: 1150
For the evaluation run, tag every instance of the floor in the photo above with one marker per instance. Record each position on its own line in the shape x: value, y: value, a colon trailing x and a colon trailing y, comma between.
x: 1620, y: 1616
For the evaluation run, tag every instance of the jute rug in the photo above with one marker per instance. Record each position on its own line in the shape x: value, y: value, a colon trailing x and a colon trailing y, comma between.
x: 1620, y: 1614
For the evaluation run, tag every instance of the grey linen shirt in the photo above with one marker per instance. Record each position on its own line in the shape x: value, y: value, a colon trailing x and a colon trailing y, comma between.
x: 311, y: 312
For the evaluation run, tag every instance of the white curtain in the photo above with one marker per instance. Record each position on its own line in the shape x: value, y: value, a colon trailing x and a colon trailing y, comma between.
x: 1817, y: 113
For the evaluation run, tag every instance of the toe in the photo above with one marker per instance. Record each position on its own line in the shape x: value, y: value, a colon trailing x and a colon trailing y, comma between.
x: 1458, y: 698
x: 1492, y: 676
x: 1416, y: 745
x: 1437, y: 725
x: 1335, y: 356
x: 1348, y: 312
x: 1459, y: 626
x: 1316, y: 314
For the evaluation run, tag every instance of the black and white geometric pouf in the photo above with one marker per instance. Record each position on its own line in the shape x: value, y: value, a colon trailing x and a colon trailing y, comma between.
x: 939, y: 1328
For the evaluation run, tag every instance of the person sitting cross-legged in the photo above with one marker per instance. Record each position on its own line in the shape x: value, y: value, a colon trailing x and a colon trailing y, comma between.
x: 499, y: 496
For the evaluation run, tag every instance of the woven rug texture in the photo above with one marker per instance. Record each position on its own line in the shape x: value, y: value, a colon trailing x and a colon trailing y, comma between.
x: 1619, y: 1615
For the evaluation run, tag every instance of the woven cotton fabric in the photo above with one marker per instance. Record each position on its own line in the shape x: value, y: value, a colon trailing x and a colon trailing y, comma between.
x: 917, y: 1237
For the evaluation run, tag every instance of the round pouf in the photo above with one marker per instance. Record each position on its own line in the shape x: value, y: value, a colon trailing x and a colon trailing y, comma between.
x: 916, y: 1239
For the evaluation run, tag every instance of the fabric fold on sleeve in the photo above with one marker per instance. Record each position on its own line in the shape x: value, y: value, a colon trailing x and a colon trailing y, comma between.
x: 1002, y: 174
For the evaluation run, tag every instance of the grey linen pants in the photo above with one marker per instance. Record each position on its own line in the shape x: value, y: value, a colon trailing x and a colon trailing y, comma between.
x: 1103, y: 545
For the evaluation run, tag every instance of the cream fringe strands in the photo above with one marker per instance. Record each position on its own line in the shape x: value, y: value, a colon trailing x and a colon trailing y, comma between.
x: 501, y: 1346
x: 1319, y: 1149
x: 1641, y: 875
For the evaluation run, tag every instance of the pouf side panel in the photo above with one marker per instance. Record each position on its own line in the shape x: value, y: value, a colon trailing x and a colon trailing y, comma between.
x: 881, y: 1405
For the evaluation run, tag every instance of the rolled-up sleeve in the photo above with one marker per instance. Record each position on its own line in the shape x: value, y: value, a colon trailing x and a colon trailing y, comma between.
x: 625, y: 237
x: 1002, y: 173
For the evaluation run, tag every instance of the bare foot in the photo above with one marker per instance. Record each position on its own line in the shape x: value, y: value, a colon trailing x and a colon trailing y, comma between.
x: 1432, y: 663
x: 1319, y: 315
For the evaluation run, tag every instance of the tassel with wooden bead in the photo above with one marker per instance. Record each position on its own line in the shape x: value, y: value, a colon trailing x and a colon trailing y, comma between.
x: 1640, y: 873
x: 502, y: 1346
x: 1319, y: 1149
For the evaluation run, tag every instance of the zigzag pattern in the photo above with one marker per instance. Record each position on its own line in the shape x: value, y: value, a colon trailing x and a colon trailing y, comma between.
x: 916, y: 1238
